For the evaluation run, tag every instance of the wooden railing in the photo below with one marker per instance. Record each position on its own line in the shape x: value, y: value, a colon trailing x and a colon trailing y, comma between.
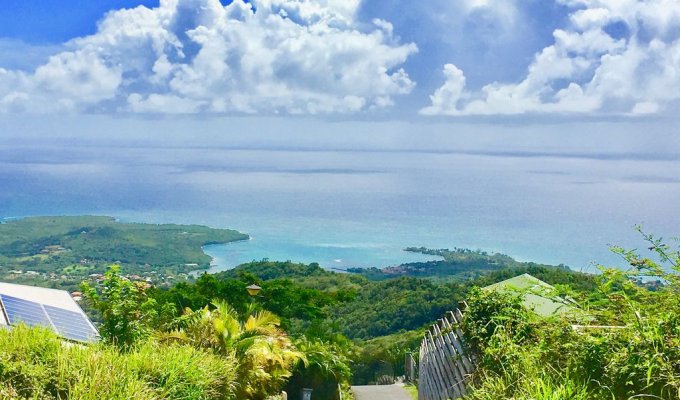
x: 444, y: 368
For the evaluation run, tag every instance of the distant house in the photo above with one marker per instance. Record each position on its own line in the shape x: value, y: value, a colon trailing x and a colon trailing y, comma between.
x: 538, y: 296
x: 50, y: 308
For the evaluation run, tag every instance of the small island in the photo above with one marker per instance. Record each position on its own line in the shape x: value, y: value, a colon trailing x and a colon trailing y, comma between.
x: 456, y: 265
x: 62, y: 251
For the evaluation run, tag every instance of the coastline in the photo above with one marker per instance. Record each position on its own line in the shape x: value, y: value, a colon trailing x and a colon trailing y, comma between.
x: 212, y: 259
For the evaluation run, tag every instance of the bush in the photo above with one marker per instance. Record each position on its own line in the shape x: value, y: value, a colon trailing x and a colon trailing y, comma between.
x: 522, y: 356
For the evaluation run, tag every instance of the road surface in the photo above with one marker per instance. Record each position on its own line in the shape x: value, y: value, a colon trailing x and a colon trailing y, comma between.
x: 380, y: 392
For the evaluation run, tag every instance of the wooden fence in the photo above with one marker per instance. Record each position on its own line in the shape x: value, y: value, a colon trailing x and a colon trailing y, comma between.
x: 444, y: 368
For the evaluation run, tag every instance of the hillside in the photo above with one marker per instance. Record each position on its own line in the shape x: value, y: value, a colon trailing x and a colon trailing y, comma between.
x: 364, y: 308
x: 384, y: 319
x: 65, y: 250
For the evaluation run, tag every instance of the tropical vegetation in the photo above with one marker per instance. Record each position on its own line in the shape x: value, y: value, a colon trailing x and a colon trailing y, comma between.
x: 208, y: 338
x: 628, y: 347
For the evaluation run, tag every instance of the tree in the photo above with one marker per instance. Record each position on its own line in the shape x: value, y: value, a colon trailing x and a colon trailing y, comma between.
x: 127, y: 312
x: 266, y: 354
x: 326, y: 370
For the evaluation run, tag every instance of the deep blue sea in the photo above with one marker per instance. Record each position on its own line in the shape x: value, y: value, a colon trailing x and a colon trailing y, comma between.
x: 355, y: 193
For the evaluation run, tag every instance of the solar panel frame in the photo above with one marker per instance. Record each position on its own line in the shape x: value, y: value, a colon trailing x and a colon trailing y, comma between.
x: 20, y: 310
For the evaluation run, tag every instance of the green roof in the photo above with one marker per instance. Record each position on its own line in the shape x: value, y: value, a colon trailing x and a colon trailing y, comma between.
x: 538, y: 295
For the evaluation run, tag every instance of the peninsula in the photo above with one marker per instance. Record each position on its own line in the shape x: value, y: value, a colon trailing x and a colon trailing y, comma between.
x: 64, y: 250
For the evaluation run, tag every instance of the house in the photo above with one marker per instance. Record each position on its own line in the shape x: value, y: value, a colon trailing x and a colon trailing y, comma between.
x: 537, y: 295
x: 50, y: 308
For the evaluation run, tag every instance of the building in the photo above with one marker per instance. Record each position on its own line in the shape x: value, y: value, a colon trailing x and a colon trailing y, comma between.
x: 537, y: 296
x: 50, y: 308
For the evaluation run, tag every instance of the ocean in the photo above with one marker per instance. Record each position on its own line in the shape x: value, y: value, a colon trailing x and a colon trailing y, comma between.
x: 355, y: 193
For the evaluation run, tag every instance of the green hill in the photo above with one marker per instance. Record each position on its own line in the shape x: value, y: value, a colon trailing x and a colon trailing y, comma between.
x: 70, y: 248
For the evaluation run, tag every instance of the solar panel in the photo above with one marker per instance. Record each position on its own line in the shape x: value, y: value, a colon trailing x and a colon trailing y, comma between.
x: 28, y: 312
x: 70, y: 324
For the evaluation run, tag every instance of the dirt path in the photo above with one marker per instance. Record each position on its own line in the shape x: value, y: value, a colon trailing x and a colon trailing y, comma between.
x: 381, y: 392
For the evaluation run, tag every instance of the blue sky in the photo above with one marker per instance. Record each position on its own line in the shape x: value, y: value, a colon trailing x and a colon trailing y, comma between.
x: 56, y: 21
x: 366, y: 58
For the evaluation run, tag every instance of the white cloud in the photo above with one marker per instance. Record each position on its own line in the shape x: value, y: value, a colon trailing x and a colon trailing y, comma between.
x: 616, y: 56
x: 450, y: 94
x: 187, y: 56
x: 488, y: 22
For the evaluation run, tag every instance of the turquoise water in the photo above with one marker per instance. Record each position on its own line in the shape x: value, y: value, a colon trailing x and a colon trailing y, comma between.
x: 331, y: 256
x: 355, y: 194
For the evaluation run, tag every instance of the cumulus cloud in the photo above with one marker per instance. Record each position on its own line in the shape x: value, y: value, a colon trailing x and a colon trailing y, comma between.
x: 192, y: 56
x: 615, y: 56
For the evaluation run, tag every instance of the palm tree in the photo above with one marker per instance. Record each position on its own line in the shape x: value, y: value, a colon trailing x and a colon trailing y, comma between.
x: 267, y: 355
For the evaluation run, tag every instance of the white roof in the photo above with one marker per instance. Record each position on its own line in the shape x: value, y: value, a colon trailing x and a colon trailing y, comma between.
x: 51, y: 297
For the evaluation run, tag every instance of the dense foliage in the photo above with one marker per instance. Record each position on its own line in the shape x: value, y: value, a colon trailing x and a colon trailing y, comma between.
x: 307, y: 296
x: 265, y: 353
x: 384, y: 318
x: 126, y: 313
x: 385, y: 356
x: 74, y: 247
x: 385, y: 307
x: 264, y: 356
x: 636, y: 355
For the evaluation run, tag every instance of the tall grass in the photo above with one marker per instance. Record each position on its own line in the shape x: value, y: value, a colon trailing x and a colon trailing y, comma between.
x: 36, y: 364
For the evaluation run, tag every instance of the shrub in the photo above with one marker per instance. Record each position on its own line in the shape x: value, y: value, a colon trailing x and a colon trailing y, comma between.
x: 525, y: 357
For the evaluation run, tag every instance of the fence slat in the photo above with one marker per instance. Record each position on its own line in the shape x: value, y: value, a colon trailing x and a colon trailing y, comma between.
x: 449, y: 378
x: 444, y: 367
x: 438, y: 375
x: 454, y: 360
x: 456, y: 334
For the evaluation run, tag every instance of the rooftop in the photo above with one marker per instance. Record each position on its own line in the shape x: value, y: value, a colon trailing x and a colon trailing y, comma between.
x: 538, y: 295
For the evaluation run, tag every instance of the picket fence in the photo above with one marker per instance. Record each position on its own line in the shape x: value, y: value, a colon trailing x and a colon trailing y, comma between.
x: 444, y: 369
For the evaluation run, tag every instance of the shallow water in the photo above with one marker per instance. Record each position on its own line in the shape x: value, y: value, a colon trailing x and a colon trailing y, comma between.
x: 332, y: 256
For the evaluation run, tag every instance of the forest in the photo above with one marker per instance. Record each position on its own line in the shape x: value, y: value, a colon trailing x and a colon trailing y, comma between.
x: 311, y: 327
x: 63, y: 251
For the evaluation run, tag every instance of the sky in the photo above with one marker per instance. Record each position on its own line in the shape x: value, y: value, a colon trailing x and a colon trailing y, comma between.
x: 507, y: 117
x: 364, y: 59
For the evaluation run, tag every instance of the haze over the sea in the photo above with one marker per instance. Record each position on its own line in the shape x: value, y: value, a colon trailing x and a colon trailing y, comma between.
x: 357, y: 192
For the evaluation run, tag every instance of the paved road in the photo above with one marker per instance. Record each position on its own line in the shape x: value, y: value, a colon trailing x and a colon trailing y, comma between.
x: 382, y: 392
